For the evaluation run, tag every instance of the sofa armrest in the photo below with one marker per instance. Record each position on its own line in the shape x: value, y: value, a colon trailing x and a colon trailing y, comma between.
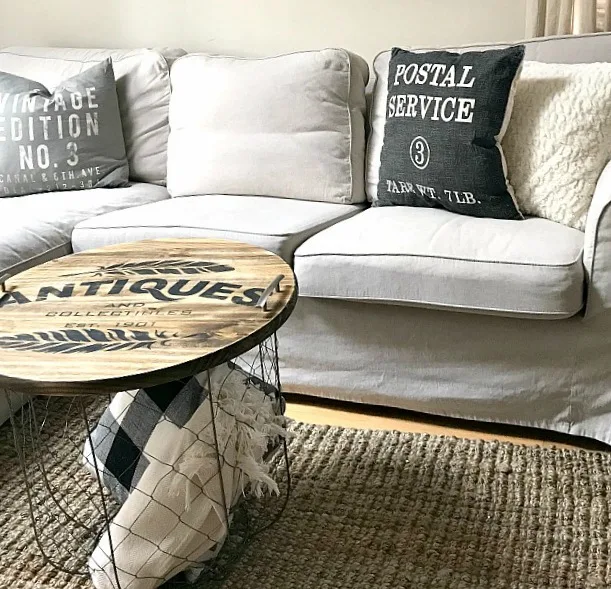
x: 597, y: 247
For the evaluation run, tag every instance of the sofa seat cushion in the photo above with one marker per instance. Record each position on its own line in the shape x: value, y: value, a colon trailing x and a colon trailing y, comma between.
x: 434, y: 258
x: 276, y: 224
x: 38, y: 227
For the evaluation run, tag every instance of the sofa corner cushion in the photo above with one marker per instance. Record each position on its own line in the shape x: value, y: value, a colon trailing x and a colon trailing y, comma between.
x: 276, y: 224
x: 434, y: 258
x: 143, y: 90
x: 38, y: 227
x: 289, y: 126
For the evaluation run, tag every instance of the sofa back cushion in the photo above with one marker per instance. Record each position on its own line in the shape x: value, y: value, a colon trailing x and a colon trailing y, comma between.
x: 290, y: 126
x: 143, y: 89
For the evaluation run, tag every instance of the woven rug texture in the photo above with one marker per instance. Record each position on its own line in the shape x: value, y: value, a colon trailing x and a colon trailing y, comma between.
x: 383, y: 510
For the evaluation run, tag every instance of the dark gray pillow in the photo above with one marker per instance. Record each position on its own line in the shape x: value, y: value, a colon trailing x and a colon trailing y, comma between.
x: 446, y: 114
x: 66, y: 139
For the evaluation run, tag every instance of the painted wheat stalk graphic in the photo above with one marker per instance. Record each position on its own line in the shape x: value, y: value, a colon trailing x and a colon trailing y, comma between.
x: 83, y: 341
x: 156, y: 267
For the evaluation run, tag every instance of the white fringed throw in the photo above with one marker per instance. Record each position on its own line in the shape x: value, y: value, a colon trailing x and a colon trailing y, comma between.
x: 174, y: 518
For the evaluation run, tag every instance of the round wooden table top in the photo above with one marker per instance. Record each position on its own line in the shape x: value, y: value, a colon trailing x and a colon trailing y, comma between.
x: 138, y: 314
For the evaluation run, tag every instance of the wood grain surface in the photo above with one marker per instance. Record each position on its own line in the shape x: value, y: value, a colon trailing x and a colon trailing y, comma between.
x: 137, y: 314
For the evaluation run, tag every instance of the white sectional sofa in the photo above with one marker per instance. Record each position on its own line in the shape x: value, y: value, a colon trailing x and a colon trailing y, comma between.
x: 497, y: 321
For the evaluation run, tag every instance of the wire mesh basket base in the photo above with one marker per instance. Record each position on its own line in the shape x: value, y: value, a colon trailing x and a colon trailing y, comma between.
x: 142, y: 487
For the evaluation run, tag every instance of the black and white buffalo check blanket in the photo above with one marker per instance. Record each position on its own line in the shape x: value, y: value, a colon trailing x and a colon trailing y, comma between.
x: 158, y: 451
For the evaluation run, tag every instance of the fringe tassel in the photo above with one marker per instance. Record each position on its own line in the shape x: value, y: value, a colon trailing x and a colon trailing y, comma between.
x: 245, y: 419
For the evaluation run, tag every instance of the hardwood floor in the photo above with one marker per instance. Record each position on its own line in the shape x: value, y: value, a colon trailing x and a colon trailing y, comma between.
x: 354, y: 415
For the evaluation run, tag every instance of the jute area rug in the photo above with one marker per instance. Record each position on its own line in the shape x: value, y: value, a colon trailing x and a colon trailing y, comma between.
x: 387, y: 510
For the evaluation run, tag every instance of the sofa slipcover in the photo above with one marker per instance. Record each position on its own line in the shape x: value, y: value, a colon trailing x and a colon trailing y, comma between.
x: 275, y: 224
x: 38, y: 227
x: 434, y: 258
x: 143, y: 90
x: 553, y: 375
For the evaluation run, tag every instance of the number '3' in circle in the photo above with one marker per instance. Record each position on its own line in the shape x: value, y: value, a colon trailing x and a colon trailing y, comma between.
x: 419, y: 152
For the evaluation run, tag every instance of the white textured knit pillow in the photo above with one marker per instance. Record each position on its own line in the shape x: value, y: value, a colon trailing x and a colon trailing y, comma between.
x: 559, y: 138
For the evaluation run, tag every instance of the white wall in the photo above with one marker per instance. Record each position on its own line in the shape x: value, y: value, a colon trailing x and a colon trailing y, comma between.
x: 260, y: 27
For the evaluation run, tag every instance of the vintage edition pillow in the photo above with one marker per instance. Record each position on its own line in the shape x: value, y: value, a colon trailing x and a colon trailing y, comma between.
x: 445, y: 116
x: 68, y: 138
x: 143, y: 91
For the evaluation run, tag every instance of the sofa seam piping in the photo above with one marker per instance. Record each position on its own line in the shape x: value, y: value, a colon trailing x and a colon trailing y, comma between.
x: 573, y: 263
x: 428, y: 304
x: 81, y: 61
x: 322, y: 223
x: 349, y: 112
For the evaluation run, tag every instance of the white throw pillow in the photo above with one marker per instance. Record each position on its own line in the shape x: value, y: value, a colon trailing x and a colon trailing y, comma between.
x: 559, y: 138
x: 290, y: 126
